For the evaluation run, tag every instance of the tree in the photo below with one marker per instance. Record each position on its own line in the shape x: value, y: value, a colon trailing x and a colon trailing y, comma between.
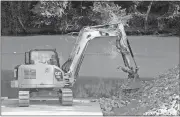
x: 50, y: 8
x: 171, y: 14
x: 49, y: 13
x: 145, y: 14
x: 66, y: 16
x: 109, y: 12
x: 61, y: 14
x: 15, y: 16
x: 171, y: 17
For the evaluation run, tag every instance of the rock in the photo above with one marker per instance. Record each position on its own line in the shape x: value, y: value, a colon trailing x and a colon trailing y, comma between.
x: 166, y: 97
x: 159, y: 96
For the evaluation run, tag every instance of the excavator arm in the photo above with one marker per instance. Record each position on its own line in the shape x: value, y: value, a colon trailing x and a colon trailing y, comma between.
x: 73, y: 64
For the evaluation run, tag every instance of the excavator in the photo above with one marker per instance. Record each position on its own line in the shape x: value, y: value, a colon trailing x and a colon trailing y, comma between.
x: 42, y: 71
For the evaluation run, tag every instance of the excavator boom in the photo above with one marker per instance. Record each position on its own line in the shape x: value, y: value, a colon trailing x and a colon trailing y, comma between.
x: 73, y: 64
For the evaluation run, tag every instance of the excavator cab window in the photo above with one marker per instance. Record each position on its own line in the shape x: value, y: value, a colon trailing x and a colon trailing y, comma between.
x: 44, y: 56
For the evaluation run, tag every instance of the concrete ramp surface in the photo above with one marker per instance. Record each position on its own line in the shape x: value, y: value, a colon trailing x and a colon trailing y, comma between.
x: 51, y: 107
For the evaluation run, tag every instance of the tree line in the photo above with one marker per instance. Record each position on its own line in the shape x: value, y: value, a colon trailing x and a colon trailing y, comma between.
x: 61, y: 17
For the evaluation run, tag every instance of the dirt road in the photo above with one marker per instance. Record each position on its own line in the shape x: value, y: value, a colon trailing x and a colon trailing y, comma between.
x: 51, y: 107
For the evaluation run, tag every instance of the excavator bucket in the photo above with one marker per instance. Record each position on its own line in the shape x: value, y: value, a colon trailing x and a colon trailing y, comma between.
x: 131, y: 85
x: 133, y: 82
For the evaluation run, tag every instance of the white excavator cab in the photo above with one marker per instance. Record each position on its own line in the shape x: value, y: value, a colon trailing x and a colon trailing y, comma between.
x: 41, y: 74
x: 42, y: 56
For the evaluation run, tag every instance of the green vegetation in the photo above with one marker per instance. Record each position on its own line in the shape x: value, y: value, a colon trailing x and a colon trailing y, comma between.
x: 98, y: 89
x: 60, y: 17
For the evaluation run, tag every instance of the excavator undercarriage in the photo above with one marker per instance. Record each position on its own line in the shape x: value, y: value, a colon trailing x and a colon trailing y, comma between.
x: 65, y: 96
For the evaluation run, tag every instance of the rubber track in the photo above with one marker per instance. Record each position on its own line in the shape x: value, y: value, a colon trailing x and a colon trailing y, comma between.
x: 67, y: 97
x: 24, y: 99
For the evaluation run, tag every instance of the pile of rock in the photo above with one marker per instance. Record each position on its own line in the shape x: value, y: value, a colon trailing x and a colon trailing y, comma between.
x: 107, y: 104
x: 162, y: 94
x: 173, y: 108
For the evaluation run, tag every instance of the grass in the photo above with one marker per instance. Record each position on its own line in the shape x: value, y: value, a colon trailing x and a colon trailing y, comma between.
x: 85, y: 86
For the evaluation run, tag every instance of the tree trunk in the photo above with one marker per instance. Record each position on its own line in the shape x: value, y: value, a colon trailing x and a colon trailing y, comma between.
x: 11, y: 21
x: 147, y: 14
x: 22, y: 25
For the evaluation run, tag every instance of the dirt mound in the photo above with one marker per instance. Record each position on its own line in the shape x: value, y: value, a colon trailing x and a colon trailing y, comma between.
x: 162, y: 94
x: 157, y: 97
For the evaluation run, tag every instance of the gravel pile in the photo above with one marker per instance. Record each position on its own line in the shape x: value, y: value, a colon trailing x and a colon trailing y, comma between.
x: 107, y: 104
x: 160, y: 96
x: 171, y: 108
